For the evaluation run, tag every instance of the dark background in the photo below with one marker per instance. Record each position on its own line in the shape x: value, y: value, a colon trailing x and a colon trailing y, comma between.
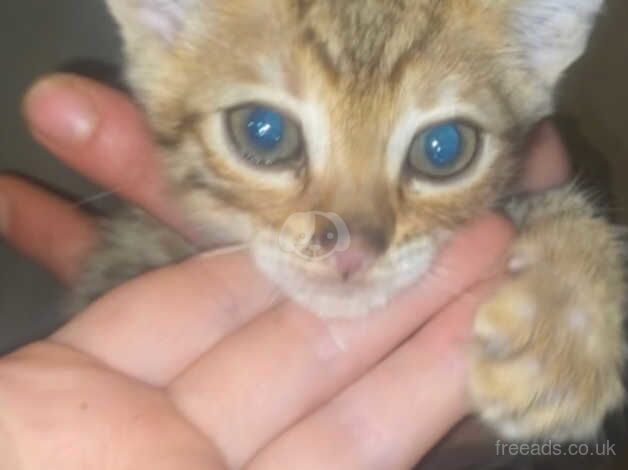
x: 39, y: 36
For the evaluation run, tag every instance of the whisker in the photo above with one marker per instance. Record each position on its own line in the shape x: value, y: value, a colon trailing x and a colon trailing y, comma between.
x: 95, y: 197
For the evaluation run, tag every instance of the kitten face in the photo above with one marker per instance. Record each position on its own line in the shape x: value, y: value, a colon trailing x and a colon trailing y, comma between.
x: 349, y: 203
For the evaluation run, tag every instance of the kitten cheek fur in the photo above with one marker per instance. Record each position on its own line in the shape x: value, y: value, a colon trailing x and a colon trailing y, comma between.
x: 365, y: 63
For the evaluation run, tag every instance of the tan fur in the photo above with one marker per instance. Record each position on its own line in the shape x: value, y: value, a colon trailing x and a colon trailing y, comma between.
x: 350, y: 72
x: 386, y: 40
x: 549, y: 354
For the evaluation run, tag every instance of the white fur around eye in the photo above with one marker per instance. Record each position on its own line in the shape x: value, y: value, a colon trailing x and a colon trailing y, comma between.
x: 418, y: 120
x: 316, y: 131
x: 216, y: 137
x: 312, y: 118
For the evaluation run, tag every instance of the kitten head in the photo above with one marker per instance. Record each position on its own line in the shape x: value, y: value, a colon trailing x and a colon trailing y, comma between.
x: 344, y: 139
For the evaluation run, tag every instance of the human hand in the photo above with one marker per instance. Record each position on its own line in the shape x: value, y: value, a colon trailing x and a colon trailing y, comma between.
x: 201, y: 365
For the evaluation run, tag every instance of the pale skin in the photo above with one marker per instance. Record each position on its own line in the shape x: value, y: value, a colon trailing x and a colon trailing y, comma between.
x: 203, y: 365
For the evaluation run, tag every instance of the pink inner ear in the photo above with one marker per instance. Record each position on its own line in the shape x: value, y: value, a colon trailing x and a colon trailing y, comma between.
x: 163, y: 17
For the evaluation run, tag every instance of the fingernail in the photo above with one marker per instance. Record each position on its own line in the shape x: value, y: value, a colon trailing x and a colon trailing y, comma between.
x: 4, y: 215
x: 59, y: 110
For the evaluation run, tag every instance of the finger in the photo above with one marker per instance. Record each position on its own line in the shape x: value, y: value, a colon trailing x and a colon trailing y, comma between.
x: 156, y: 325
x: 396, y: 413
x: 547, y: 164
x: 100, y: 133
x: 63, y: 410
x: 296, y: 361
x: 44, y: 227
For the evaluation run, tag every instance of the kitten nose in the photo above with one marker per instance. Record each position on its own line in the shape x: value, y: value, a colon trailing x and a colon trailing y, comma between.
x: 358, y: 258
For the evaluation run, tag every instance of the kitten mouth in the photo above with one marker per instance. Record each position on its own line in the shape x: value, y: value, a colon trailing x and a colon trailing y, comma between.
x: 327, y: 293
x: 313, y: 252
x: 335, y: 281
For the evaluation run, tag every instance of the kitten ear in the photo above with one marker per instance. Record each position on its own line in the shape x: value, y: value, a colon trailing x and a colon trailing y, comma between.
x: 162, y: 19
x: 552, y: 34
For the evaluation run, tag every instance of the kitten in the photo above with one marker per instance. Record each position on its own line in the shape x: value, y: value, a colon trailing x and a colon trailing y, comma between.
x: 344, y: 140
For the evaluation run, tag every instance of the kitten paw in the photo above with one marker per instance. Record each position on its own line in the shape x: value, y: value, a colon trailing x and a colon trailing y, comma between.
x: 547, y: 357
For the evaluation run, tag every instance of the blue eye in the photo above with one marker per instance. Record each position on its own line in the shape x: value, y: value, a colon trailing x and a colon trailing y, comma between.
x: 443, y: 145
x: 444, y: 149
x: 265, y: 128
x: 264, y: 136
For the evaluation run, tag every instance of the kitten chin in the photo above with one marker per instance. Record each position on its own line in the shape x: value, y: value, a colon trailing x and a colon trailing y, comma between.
x: 315, y: 286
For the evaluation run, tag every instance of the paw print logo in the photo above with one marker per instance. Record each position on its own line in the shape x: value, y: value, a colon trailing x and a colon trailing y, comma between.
x: 314, y: 235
